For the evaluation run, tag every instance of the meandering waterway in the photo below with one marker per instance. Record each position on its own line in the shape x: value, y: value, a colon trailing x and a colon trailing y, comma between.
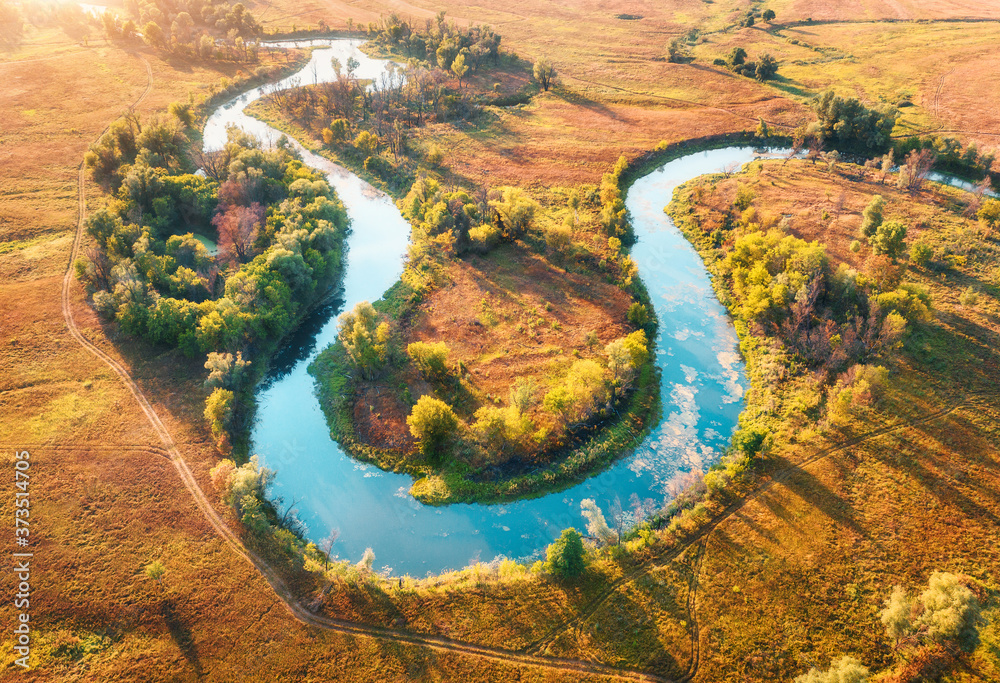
x: 702, y: 378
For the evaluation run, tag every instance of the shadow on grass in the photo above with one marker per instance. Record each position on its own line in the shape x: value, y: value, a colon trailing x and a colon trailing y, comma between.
x: 181, y: 634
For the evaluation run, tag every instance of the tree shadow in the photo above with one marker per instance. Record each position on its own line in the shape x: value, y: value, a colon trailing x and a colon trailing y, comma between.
x: 181, y: 634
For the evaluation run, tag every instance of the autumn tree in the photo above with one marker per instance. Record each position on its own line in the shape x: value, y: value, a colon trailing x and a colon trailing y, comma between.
x: 459, y: 68
x: 238, y: 227
x: 544, y: 73
x: 432, y: 423
x: 431, y: 358
x: 945, y: 612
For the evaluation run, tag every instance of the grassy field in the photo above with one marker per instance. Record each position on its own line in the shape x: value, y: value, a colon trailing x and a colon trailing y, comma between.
x: 781, y: 580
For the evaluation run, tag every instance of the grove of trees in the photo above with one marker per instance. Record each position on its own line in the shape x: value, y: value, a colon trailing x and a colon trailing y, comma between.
x: 279, y: 229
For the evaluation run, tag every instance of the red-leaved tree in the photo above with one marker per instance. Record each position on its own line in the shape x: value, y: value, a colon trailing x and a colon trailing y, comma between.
x: 238, y: 227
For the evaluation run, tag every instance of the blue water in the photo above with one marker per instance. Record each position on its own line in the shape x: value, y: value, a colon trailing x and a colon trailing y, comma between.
x: 702, y: 388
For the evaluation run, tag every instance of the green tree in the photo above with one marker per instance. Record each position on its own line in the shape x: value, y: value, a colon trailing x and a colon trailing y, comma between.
x: 366, y: 143
x: 871, y: 217
x: 736, y: 56
x: 219, y: 410
x: 889, y: 239
x: 432, y: 423
x: 763, y: 131
x: 564, y: 558
x: 544, y: 73
x: 364, y: 338
x: 431, y: 358
x: 989, y: 213
x: 843, y: 670
x: 155, y: 571
x: 515, y: 212
x: 767, y: 67
x: 182, y: 112
x: 921, y: 254
x: 459, y: 68
x: 638, y: 314
x: 153, y: 34
x: 848, y: 124
x: 946, y: 611
x: 768, y: 15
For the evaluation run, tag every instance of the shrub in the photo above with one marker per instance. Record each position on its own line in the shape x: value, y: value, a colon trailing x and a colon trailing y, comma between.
x: 430, y: 358
x: 969, y: 297
x: 433, y: 423
x: 921, y: 254
x: 989, y: 213
x: 844, y: 670
x: 434, y: 156
x: 564, y: 559
x: 947, y: 611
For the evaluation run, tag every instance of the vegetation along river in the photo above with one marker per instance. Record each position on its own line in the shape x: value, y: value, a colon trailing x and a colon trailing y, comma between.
x: 702, y: 378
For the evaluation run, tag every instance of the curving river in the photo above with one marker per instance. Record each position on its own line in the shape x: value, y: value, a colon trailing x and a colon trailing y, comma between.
x: 702, y: 379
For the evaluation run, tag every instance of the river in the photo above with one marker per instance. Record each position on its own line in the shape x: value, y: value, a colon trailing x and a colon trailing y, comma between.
x: 696, y: 349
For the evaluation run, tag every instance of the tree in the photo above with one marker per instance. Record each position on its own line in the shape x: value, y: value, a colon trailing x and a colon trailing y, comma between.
x: 945, y: 612
x: 153, y: 34
x: 851, y: 126
x: 364, y: 338
x: 736, y: 56
x: 155, y: 571
x: 432, y: 423
x: 238, y: 227
x: 768, y: 15
x: 844, y: 670
x: 219, y: 410
x: 225, y: 371
x: 366, y: 561
x: 597, y: 526
x: 544, y: 73
x: 430, y: 358
x: 915, y: 169
x: 872, y: 216
x: 677, y: 52
x: 514, y: 212
x: 366, y: 143
x: 989, y: 213
x: 638, y: 314
x: 564, y: 558
x: 889, y: 239
x: 921, y: 254
x: 763, y: 131
x: 767, y: 67
x: 459, y: 68
x: 182, y: 112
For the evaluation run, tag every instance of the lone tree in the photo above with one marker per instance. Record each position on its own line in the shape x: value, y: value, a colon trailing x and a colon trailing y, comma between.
x: 545, y: 73
x: 155, y: 571
x: 432, y: 423
x: 677, y: 52
x: 565, y: 557
x: 364, y: 338
x: 768, y: 15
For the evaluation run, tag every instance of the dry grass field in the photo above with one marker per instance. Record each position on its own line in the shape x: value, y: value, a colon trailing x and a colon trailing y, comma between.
x: 781, y: 582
